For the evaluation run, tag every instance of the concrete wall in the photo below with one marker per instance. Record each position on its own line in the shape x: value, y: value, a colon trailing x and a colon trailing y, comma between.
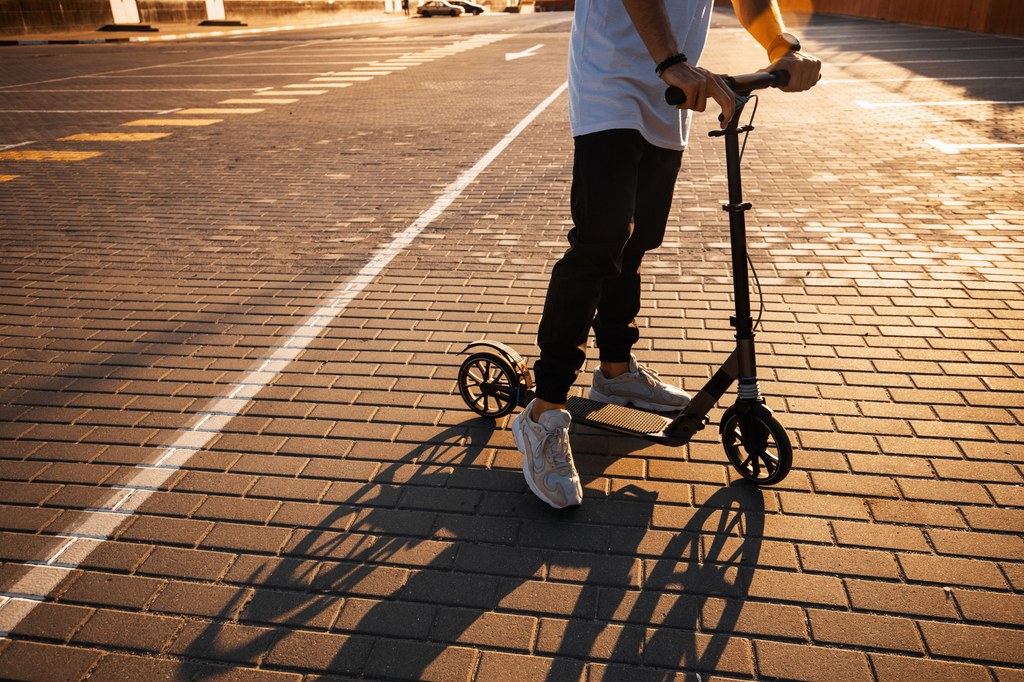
x: 26, y: 16
x: 18, y: 17
x: 987, y: 16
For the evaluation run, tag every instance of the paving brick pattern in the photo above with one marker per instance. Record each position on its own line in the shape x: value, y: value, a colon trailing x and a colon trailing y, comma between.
x: 353, y: 519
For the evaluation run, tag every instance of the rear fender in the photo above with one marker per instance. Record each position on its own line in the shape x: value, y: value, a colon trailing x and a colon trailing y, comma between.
x: 514, y: 359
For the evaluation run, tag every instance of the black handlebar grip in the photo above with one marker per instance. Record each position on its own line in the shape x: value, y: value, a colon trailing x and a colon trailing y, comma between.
x: 675, y: 96
x: 741, y: 84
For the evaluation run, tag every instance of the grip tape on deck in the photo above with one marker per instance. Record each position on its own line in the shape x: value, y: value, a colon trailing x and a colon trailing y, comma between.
x: 625, y: 419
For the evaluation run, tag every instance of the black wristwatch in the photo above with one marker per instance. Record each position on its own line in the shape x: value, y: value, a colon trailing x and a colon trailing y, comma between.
x: 790, y: 41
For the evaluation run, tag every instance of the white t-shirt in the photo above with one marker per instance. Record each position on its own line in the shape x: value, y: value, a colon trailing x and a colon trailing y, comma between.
x: 612, y: 83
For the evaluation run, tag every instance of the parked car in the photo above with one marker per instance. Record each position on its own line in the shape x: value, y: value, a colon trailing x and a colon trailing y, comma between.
x: 469, y: 7
x: 432, y: 8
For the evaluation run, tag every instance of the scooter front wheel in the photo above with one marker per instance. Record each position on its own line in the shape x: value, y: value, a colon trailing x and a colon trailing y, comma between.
x: 756, y: 444
x: 489, y: 385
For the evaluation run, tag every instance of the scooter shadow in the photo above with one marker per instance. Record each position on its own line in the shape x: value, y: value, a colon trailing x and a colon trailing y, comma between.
x: 422, y: 557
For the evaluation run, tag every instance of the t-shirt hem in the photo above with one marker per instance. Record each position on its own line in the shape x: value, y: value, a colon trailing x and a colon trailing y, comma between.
x: 590, y: 128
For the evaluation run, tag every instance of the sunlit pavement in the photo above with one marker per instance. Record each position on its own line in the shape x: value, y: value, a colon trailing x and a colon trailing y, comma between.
x: 238, y: 274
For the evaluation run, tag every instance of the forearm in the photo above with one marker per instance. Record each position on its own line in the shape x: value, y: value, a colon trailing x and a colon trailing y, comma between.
x: 763, y: 21
x: 761, y: 18
x: 652, y: 23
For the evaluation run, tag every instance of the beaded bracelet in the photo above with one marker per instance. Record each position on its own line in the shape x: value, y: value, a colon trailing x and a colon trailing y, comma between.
x: 677, y: 58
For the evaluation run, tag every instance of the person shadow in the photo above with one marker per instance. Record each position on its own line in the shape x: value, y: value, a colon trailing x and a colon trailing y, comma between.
x: 377, y: 591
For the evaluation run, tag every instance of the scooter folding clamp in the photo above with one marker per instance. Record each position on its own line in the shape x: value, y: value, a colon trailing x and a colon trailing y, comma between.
x: 723, y: 133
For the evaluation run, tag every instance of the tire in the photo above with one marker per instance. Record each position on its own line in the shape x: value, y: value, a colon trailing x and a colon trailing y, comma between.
x: 488, y: 385
x: 763, y: 454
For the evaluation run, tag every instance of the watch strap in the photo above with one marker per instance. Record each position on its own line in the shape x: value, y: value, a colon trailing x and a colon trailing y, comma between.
x: 787, y: 40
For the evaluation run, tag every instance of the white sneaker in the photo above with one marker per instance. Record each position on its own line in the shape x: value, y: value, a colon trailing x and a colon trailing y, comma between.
x: 547, y: 458
x: 640, y: 387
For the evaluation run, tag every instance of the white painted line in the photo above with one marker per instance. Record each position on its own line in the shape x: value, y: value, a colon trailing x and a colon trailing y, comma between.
x: 211, y: 75
x: 956, y: 103
x: 271, y: 29
x: 950, y: 148
x: 329, y: 56
x: 268, y: 65
x: 41, y: 578
x: 15, y: 145
x: 80, y: 111
x: 292, y: 49
x: 94, y: 90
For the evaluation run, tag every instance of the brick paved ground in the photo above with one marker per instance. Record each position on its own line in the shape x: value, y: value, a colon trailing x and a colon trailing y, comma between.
x: 349, y: 518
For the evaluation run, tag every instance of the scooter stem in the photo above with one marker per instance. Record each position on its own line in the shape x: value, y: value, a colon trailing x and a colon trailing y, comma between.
x: 737, y: 208
x: 741, y: 364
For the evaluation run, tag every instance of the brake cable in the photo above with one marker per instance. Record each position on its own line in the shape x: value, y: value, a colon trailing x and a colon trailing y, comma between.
x: 750, y: 263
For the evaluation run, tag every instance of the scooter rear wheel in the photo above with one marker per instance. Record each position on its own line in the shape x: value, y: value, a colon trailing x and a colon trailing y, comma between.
x: 756, y: 445
x: 488, y: 385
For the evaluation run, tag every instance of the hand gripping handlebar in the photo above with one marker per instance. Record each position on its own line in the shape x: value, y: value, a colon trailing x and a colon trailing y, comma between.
x: 741, y: 85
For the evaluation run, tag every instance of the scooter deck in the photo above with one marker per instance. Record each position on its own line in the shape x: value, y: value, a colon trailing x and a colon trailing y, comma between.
x: 626, y: 420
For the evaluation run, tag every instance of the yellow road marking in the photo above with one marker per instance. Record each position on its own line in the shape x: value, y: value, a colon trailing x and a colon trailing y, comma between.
x: 173, y: 122
x: 258, y: 101
x: 113, y: 137
x: 275, y: 93
x: 219, y: 111
x: 7, y: 178
x: 46, y: 155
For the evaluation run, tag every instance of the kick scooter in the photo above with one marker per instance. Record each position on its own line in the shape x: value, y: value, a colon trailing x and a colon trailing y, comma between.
x: 495, y: 379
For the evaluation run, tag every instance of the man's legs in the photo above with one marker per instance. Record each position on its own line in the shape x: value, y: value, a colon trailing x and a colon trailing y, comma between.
x: 603, y: 202
x: 612, y: 170
x: 621, y: 196
x: 620, y: 379
x: 615, y: 330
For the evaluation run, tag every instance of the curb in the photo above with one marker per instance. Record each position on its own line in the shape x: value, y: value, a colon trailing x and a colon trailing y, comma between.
x: 68, y: 41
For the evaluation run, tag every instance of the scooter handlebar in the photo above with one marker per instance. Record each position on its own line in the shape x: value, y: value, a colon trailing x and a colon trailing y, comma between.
x: 741, y: 85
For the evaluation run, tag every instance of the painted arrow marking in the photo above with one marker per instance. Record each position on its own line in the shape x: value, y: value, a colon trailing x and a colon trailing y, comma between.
x: 529, y: 52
